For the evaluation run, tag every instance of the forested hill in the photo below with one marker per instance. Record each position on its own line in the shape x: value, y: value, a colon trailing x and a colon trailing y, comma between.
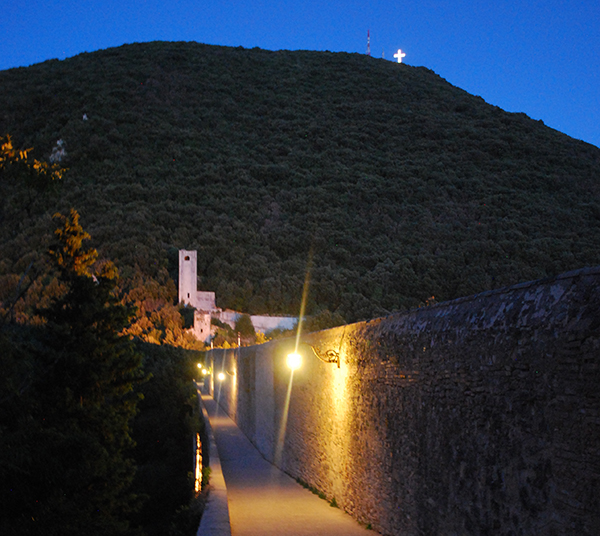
x: 396, y: 185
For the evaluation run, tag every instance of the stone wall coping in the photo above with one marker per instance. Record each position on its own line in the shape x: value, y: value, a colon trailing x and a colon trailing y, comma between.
x: 582, y: 272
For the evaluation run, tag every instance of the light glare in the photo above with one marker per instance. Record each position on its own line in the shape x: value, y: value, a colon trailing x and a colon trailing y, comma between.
x: 294, y: 360
x: 221, y: 376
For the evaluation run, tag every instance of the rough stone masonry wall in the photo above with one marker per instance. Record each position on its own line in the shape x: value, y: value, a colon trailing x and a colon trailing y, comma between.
x: 476, y: 416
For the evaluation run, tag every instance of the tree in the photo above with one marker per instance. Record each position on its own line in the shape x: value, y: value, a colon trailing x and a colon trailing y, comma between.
x: 31, y: 177
x: 39, y: 175
x: 76, y: 472
x: 244, y: 326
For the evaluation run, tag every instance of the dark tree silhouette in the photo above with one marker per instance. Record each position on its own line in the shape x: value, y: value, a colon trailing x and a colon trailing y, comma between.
x: 70, y: 469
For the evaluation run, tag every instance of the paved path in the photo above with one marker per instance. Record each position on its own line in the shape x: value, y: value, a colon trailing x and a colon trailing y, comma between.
x: 264, y: 501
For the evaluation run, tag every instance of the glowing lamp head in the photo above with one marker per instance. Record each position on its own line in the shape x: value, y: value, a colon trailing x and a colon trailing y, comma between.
x: 199, y: 365
x: 294, y: 360
x: 221, y: 376
x: 204, y: 372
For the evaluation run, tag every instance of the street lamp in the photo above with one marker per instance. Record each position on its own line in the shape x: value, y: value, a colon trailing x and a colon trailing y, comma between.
x: 221, y: 376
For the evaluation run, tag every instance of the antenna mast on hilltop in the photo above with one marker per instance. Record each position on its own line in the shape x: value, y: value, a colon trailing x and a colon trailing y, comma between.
x: 368, y: 42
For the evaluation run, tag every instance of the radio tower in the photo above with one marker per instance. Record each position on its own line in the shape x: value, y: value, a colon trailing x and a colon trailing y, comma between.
x: 368, y: 42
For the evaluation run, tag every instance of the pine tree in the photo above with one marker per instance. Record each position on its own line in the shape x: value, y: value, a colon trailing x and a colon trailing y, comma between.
x: 77, y: 473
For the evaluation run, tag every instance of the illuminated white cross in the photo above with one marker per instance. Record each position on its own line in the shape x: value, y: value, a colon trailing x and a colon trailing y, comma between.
x: 399, y: 55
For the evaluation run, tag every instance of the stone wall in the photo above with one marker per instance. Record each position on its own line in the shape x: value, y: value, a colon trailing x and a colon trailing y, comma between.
x: 476, y: 416
x: 262, y: 323
x: 266, y: 324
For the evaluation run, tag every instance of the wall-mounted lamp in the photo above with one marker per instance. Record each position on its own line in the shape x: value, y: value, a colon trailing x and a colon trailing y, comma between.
x: 221, y: 376
x: 294, y: 360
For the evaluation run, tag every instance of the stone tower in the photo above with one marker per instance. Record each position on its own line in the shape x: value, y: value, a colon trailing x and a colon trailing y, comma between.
x: 188, y: 283
x: 188, y: 277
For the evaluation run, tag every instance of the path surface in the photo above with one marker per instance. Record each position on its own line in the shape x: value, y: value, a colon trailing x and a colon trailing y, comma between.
x: 263, y: 500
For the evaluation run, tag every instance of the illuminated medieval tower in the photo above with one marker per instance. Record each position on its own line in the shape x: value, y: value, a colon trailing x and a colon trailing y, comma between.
x: 203, y: 302
x: 188, y: 277
x: 188, y: 283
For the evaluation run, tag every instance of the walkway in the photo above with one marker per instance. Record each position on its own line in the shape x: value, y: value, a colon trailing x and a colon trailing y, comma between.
x: 264, y: 501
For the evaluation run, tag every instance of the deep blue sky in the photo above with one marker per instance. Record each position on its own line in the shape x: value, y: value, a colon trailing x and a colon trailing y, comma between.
x: 533, y: 56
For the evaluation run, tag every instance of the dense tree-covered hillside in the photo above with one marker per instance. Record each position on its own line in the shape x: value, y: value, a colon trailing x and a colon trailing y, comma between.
x: 390, y: 183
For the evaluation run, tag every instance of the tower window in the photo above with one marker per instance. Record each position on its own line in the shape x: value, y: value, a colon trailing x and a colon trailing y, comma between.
x: 187, y: 258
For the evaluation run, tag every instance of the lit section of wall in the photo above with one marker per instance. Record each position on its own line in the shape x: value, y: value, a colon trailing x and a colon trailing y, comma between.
x: 198, y: 474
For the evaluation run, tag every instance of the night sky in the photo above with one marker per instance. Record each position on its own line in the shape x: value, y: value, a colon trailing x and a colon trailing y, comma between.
x: 537, y: 57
